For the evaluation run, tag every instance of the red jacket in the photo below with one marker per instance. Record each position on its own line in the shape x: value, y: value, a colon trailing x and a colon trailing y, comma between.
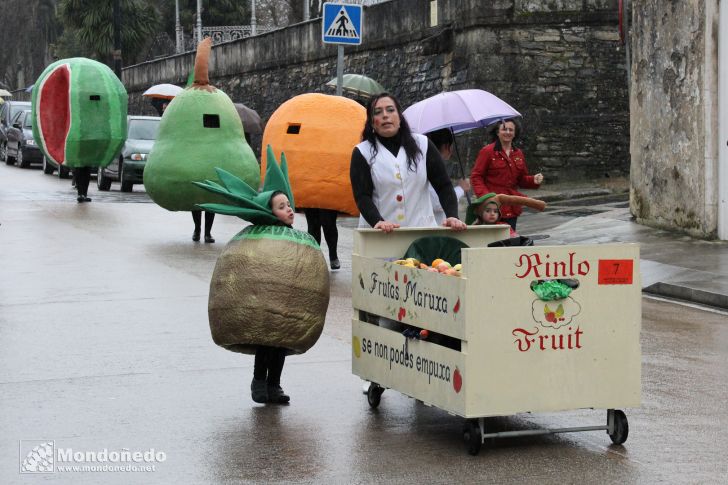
x: 495, y: 172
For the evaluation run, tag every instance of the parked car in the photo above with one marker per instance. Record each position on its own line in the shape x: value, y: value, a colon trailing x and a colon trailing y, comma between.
x: 128, y: 168
x: 8, y: 111
x: 20, y: 143
x: 49, y: 166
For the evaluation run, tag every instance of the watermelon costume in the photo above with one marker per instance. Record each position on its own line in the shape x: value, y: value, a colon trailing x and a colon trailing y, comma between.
x: 79, y: 111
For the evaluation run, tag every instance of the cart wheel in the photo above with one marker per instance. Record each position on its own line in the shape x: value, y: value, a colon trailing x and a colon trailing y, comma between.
x: 473, y: 436
x: 621, y: 428
x: 374, y: 394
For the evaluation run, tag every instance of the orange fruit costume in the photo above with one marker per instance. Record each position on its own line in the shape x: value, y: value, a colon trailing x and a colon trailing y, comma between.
x: 317, y: 132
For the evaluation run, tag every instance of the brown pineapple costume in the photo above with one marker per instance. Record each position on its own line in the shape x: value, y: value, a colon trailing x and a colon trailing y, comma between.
x: 270, y: 288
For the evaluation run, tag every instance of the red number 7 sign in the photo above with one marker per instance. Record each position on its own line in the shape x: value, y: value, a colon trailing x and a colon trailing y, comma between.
x: 615, y: 271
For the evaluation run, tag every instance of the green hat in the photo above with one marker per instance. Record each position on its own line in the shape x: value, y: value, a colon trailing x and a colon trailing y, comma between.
x: 247, y: 203
x: 470, y: 216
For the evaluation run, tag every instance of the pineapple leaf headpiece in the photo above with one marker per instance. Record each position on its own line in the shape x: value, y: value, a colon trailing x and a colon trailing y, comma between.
x: 246, y: 202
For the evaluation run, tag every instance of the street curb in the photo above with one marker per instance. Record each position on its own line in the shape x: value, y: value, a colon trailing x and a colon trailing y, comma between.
x: 691, y: 295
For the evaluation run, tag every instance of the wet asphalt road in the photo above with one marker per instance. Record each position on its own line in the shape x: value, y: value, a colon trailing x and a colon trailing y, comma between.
x: 104, y: 344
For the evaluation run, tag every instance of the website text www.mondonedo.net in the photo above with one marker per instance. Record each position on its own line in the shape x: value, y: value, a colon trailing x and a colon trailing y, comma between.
x: 106, y: 468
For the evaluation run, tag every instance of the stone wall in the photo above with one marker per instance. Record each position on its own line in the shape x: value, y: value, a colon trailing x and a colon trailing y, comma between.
x: 560, y: 63
x: 674, y: 169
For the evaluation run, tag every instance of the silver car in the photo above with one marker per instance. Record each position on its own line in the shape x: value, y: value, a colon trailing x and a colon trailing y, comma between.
x: 128, y: 168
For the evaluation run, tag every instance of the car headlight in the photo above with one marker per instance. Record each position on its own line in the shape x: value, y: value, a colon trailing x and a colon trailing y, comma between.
x: 30, y: 142
x: 138, y: 156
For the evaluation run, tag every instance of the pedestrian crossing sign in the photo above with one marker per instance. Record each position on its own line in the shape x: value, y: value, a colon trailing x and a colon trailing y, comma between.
x: 342, y: 23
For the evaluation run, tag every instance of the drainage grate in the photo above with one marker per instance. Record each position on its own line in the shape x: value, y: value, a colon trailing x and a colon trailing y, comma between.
x: 578, y: 212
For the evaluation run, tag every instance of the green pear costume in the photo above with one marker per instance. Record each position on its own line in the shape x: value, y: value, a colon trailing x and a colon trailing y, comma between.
x: 79, y: 113
x: 270, y: 285
x: 200, y: 130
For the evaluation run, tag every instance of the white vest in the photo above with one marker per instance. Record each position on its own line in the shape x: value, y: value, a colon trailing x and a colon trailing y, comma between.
x: 400, y: 195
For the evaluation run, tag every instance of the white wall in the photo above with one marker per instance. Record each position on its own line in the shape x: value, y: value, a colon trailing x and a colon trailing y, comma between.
x: 722, y: 136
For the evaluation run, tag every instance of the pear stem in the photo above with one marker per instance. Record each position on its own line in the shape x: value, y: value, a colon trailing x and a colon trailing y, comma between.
x: 202, y: 61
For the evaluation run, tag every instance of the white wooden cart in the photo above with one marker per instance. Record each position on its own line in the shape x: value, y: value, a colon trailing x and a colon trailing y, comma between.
x: 517, y: 353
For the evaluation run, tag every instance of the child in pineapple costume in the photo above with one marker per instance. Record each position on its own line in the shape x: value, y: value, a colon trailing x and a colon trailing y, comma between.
x: 270, y: 289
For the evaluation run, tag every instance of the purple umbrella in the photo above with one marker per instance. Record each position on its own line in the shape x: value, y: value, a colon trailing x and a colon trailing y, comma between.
x: 458, y: 110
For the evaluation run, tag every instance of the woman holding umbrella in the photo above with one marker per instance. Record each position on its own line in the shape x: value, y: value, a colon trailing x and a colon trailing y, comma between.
x: 390, y: 171
x: 501, y: 168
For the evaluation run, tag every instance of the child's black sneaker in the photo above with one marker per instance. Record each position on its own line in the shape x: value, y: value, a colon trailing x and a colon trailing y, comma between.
x: 276, y: 395
x: 259, y: 391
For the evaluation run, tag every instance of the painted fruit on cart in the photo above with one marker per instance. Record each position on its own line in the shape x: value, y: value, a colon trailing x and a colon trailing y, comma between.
x: 199, y: 131
x: 79, y: 111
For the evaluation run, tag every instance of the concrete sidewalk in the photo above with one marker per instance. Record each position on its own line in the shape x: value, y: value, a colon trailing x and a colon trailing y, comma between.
x: 673, y: 265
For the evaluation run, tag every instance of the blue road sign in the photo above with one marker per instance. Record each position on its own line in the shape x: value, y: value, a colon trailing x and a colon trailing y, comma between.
x: 342, y: 23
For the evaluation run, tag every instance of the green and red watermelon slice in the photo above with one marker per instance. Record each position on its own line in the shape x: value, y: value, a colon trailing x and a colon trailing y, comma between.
x: 79, y: 110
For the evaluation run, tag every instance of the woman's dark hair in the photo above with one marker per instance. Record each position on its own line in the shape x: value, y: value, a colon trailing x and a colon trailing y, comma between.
x: 495, y: 127
x: 406, y: 139
x: 270, y: 201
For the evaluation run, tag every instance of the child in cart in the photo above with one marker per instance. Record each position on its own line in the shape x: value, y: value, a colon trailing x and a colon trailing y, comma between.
x: 485, y: 210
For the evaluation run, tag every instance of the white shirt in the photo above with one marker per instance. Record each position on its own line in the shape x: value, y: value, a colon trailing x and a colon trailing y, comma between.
x: 437, y: 207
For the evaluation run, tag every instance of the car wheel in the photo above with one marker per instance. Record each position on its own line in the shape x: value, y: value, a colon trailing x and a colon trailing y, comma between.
x: 64, y: 172
x: 47, y: 167
x: 22, y: 163
x: 8, y: 159
x: 102, y: 182
x: 125, y: 185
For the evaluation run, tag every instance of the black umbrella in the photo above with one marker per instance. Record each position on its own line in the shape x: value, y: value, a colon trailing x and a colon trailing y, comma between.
x: 250, y: 118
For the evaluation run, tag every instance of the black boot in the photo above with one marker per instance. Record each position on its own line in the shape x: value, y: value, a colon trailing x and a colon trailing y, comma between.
x: 276, y: 395
x: 258, y: 391
x: 209, y: 218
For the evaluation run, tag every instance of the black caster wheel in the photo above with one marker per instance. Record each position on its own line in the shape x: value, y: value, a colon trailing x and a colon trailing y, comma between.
x: 374, y: 394
x: 473, y: 436
x: 621, y: 427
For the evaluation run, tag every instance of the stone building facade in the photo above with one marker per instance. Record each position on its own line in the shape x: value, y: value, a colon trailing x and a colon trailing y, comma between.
x: 676, y: 178
x: 560, y: 63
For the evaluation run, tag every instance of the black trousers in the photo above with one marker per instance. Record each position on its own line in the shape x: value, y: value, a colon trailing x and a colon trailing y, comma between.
x: 209, y: 218
x: 325, y: 219
x: 269, y: 364
x: 83, y: 177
